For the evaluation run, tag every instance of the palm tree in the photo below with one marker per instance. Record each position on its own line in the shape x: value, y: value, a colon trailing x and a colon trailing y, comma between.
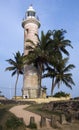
x: 60, y: 73
x: 39, y: 54
x: 16, y: 66
x: 58, y: 43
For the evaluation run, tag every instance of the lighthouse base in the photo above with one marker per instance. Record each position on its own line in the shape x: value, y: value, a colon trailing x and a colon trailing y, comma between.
x: 30, y: 93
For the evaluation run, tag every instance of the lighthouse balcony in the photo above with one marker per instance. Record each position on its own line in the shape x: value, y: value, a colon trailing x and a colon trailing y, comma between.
x: 31, y: 16
x: 30, y: 19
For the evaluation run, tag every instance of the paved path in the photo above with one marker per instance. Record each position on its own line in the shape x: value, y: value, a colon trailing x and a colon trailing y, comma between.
x: 20, y: 112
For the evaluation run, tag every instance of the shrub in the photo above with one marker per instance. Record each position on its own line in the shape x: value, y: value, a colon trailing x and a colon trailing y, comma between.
x: 61, y: 94
x: 14, y: 122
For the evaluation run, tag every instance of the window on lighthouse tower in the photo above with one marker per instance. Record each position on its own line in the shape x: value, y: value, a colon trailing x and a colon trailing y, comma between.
x: 31, y: 13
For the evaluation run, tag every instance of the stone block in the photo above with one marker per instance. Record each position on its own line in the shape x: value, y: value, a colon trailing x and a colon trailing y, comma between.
x: 53, y: 121
x: 32, y: 120
x: 63, y: 119
x: 32, y: 124
x: 72, y: 118
x: 43, y: 121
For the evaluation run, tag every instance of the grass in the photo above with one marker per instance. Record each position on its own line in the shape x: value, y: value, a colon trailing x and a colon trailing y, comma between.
x: 8, y: 121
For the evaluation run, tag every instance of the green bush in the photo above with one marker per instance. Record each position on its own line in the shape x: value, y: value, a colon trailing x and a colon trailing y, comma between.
x: 61, y: 94
x: 14, y: 122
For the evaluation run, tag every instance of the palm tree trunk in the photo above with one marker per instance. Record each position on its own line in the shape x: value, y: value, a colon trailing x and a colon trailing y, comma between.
x: 16, y: 85
x: 40, y: 82
x: 40, y: 76
x: 53, y: 86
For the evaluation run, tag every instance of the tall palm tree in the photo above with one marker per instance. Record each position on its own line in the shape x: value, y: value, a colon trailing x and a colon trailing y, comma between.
x: 16, y: 66
x: 60, y: 73
x: 39, y: 54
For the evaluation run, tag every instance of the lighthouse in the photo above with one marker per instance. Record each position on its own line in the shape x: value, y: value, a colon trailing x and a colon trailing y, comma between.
x: 30, y: 25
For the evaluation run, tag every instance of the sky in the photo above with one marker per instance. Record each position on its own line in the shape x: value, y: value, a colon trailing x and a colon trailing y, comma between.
x: 53, y: 14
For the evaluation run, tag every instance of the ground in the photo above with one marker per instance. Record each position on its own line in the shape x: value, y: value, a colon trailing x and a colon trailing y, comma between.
x: 20, y: 112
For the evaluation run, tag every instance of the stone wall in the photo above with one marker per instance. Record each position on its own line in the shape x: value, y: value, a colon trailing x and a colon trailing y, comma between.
x: 69, y: 108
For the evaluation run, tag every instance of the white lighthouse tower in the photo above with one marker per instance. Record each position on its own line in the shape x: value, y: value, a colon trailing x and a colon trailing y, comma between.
x: 31, y: 81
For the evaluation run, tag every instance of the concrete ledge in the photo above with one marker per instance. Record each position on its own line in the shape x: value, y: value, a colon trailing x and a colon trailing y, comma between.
x: 46, y: 100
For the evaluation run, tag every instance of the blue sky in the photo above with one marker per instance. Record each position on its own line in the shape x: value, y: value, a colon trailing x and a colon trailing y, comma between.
x: 53, y: 14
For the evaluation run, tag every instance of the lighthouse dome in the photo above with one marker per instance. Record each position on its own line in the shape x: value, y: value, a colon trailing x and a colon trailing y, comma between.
x: 30, y: 11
